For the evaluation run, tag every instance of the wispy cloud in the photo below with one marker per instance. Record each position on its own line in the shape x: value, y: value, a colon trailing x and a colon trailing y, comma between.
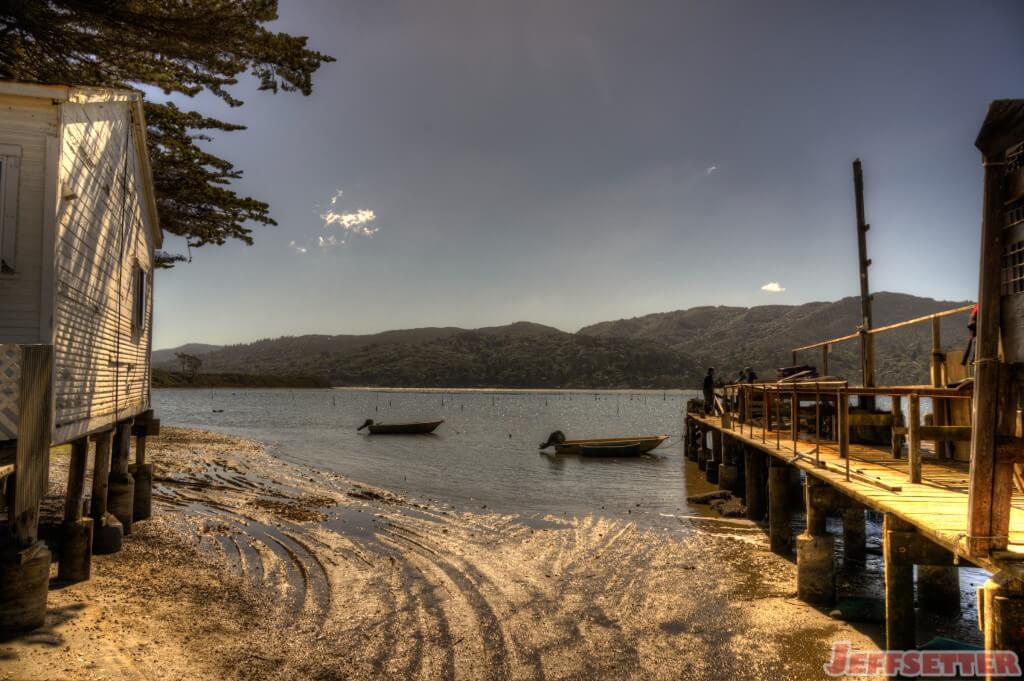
x: 357, y: 222
x: 773, y: 287
x: 360, y: 222
x: 710, y: 170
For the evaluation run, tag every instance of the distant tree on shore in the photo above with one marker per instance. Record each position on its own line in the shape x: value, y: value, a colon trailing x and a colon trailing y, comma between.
x: 183, y: 47
x: 190, y: 364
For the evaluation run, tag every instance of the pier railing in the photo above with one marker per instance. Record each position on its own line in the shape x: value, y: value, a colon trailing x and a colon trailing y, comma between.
x: 819, y: 413
x: 867, y: 336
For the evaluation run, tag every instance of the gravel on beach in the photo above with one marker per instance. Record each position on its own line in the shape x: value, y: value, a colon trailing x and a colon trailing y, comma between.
x: 253, y: 568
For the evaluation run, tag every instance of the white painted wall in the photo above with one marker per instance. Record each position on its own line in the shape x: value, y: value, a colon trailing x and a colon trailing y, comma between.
x: 26, y: 122
x: 102, y: 368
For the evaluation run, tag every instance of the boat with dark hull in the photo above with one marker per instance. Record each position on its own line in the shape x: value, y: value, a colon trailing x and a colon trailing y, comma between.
x: 605, y: 446
x: 411, y: 428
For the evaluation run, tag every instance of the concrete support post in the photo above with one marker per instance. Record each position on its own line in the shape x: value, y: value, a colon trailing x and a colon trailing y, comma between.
x: 754, y: 488
x: 854, y: 534
x: 780, y: 533
x: 1001, y: 614
x: 815, y: 555
x: 900, y: 618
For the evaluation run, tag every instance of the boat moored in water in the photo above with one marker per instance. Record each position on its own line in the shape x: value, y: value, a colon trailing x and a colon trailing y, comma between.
x: 411, y: 428
x: 605, y: 446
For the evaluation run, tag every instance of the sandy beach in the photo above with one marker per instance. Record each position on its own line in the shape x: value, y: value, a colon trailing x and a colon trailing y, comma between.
x: 253, y: 568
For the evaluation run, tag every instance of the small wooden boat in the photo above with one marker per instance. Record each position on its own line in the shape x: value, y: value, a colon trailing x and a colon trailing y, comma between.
x: 412, y: 428
x: 623, y: 449
x: 610, y: 446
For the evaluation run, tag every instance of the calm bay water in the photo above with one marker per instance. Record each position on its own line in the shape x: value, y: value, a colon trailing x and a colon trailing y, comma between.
x: 485, y: 454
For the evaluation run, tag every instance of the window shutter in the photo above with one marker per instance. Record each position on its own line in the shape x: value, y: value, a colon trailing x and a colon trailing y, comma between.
x: 9, y: 219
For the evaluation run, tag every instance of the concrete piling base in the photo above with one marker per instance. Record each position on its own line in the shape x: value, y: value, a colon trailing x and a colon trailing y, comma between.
x: 938, y: 588
x: 24, y: 582
x: 1001, y: 614
x: 142, y: 508
x: 75, y: 550
x: 815, y: 569
x: 107, y: 535
x: 728, y: 477
x: 121, y: 499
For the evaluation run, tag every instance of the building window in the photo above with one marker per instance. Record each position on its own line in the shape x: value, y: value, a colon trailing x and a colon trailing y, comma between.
x: 141, y: 298
x: 10, y: 160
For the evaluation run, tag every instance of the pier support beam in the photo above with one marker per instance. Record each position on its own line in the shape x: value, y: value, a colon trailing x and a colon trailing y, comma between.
x: 728, y: 471
x: 900, y: 618
x: 24, y: 559
x: 702, y: 447
x: 854, y: 534
x: 815, y: 553
x: 780, y: 532
x: 121, y: 487
x: 1001, y: 614
x: 107, y: 533
x: 76, y: 531
x: 755, y: 484
x: 142, y: 472
x: 716, y: 458
x: 938, y: 588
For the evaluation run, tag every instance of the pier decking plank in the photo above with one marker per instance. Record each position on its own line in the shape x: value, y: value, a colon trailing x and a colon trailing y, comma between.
x: 937, y: 506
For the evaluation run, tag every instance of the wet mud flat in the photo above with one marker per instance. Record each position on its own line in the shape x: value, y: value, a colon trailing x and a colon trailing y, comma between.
x: 253, y: 568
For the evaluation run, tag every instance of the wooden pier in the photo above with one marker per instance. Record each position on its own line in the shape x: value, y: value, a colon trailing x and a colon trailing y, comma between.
x: 949, y: 484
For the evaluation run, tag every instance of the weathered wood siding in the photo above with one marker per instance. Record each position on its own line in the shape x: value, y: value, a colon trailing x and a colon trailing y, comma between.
x: 26, y: 123
x: 102, y: 359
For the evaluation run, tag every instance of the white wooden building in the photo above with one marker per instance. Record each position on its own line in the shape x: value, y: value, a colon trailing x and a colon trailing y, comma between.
x: 78, y: 227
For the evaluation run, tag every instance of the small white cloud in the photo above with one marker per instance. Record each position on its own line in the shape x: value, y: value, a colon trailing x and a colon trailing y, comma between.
x: 357, y: 222
x: 330, y: 241
x: 773, y: 287
x: 710, y: 170
x: 297, y: 248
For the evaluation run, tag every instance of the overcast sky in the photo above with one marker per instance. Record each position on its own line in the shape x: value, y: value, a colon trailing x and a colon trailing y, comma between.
x: 476, y: 163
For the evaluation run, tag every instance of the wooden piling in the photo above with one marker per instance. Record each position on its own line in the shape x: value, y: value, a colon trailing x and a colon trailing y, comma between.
x: 715, y: 459
x: 76, y: 531
x: 897, y: 420
x: 107, y: 532
x: 25, y: 565
x: 121, y: 485
x: 76, y: 479
x: 754, y: 487
x: 914, y: 438
x: 900, y: 619
x: 780, y: 533
x: 32, y: 458
x: 938, y: 588
x: 986, y: 363
x: 854, y: 534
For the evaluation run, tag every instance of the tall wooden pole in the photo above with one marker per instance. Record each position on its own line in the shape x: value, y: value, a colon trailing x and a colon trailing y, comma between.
x: 986, y: 365
x: 866, y: 340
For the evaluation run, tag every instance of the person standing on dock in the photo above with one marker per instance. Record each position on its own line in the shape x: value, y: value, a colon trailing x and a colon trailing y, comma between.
x: 709, y: 391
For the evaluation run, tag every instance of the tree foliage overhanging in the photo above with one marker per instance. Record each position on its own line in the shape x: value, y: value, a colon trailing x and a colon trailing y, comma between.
x: 179, y: 46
